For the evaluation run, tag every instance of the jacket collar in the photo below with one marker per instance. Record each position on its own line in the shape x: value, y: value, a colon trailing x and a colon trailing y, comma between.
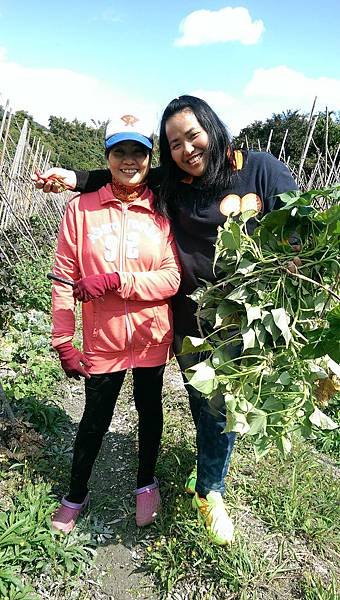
x: 145, y: 201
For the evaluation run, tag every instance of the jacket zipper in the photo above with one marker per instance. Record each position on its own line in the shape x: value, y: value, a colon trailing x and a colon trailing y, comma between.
x: 122, y: 257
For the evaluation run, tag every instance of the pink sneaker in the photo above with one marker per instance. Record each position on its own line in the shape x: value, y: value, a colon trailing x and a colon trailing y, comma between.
x: 148, y: 504
x: 64, y: 519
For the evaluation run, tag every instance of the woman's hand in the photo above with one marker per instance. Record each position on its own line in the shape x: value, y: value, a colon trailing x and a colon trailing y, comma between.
x: 95, y: 286
x: 55, y: 180
x: 72, y: 361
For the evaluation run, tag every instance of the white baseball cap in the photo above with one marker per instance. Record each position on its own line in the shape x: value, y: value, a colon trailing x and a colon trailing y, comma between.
x: 134, y: 126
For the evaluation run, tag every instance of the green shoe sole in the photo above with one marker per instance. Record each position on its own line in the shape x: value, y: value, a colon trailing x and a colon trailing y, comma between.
x: 213, y: 517
x: 190, y: 484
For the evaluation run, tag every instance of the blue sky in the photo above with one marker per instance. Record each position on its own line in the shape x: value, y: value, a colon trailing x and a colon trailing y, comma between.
x: 248, y: 59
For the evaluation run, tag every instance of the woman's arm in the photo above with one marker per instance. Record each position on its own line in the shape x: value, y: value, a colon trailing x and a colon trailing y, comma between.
x: 65, y: 265
x: 90, y: 181
x: 57, y: 179
x: 153, y: 285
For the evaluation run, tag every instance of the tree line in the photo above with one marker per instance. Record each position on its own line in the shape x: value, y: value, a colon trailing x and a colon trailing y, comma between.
x: 78, y: 145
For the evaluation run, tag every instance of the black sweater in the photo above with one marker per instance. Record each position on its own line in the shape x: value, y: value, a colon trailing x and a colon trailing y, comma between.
x: 194, y: 222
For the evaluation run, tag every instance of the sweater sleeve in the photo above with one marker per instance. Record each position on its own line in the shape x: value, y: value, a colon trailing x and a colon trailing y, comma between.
x: 65, y: 265
x: 91, y: 181
x: 159, y: 284
x: 279, y: 180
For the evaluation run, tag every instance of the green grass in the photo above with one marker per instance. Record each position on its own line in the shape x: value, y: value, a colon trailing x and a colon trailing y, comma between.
x: 296, y: 496
x: 329, y: 441
x: 29, y: 549
x: 313, y: 588
x: 287, y: 500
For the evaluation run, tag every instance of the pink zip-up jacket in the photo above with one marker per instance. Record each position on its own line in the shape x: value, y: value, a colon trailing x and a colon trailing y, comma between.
x: 131, y: 327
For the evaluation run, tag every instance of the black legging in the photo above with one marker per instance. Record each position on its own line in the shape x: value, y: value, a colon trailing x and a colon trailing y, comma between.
x: 101, y: 392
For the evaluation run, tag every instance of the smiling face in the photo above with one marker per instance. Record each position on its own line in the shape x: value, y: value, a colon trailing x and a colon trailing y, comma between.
x: 188, y: 142
x: 129, y: 162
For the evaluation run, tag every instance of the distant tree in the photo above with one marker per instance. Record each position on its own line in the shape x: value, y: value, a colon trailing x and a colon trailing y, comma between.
x: 291, y: 128
x: 257, y: 134
x: 78, y: 146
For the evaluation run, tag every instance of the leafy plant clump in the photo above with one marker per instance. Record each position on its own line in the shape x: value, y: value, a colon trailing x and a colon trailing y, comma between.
x: 273, y: 319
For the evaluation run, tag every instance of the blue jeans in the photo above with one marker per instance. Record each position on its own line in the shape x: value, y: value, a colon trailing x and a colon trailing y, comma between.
x: 214, y: 446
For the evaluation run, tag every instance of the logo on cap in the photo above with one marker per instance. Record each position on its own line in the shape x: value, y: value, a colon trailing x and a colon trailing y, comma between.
x: 129, y: 120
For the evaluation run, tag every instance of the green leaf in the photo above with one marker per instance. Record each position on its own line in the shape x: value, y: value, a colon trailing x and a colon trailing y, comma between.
x: 198, y: 294
x: 257, y: 421
x: 333, y: 317
x: 272, y: 404
x: 284, y: 444
x: 245, y: 406
x: 225, y: 309
x: 261, y: 446
x: 323, y: 343
x: 276, y: 219
x: 269, y: 324
x: 219, y: 359
x: 331, y: 215
x: 245, y: 266
x: 230, y: 402
x: 260, y: 333
x: 231, y: 238
x: 282, y: 320
x: 249, y: 338
x: 202, y: 378
x: 237, y: 422
x: 253, y: 313
x: 239, y: 294
x: 248, y: 214
x: 319, y: 419
x: 284, y: 378
x: 320, y: 300
x: 192, y: 345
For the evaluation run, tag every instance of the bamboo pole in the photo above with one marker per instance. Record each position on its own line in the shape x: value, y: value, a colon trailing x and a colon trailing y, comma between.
x: 283, y: 144
x: 307, y: 144
x: 269, y: 141
x: 2, y: 158
x: 326, y: 146
x: 333, y: 168
x: 4, y: 117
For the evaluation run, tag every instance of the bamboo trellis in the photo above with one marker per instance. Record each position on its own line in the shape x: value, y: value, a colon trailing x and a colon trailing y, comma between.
x: 326, y: 171
x: 19, y: 199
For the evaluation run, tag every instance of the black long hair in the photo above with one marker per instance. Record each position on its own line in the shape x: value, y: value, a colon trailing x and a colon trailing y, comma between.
x: 219, y: 165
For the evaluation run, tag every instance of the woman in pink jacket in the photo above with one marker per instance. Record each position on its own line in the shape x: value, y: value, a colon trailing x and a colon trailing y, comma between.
x: 119, y: 252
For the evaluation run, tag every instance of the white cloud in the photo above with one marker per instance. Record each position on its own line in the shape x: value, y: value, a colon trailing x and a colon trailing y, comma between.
x: 68, y: 94
x: 273, y: 91
x: 61, y: 92
x: 286, y: 84
x: 224, y: 25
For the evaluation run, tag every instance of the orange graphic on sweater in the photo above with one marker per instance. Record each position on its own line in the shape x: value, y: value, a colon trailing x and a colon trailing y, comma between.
x: 233, y: 205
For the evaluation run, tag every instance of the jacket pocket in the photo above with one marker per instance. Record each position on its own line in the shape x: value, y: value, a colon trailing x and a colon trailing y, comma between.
x: 164, y: 323
x: 151, y: 325
x: 108, y: 333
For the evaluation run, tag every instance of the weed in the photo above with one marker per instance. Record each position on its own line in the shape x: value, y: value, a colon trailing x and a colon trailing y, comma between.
x: 294, y: 496
x: 314, y: 588
x: 329, y: 441
x: 28, y: 546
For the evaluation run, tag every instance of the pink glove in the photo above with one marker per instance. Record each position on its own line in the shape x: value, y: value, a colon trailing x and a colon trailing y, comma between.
x: 95, y: 286
x: 71, y: 360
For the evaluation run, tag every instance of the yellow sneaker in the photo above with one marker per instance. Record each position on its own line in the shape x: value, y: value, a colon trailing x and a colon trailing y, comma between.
x: 190, y: 483
x: 212, y: 513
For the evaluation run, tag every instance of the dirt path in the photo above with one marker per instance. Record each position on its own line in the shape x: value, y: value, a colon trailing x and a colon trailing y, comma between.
x: 118, y: 574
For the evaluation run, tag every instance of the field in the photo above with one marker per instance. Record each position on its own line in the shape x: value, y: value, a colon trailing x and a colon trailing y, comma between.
x: 286, y: 511
x: 286, y: 514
